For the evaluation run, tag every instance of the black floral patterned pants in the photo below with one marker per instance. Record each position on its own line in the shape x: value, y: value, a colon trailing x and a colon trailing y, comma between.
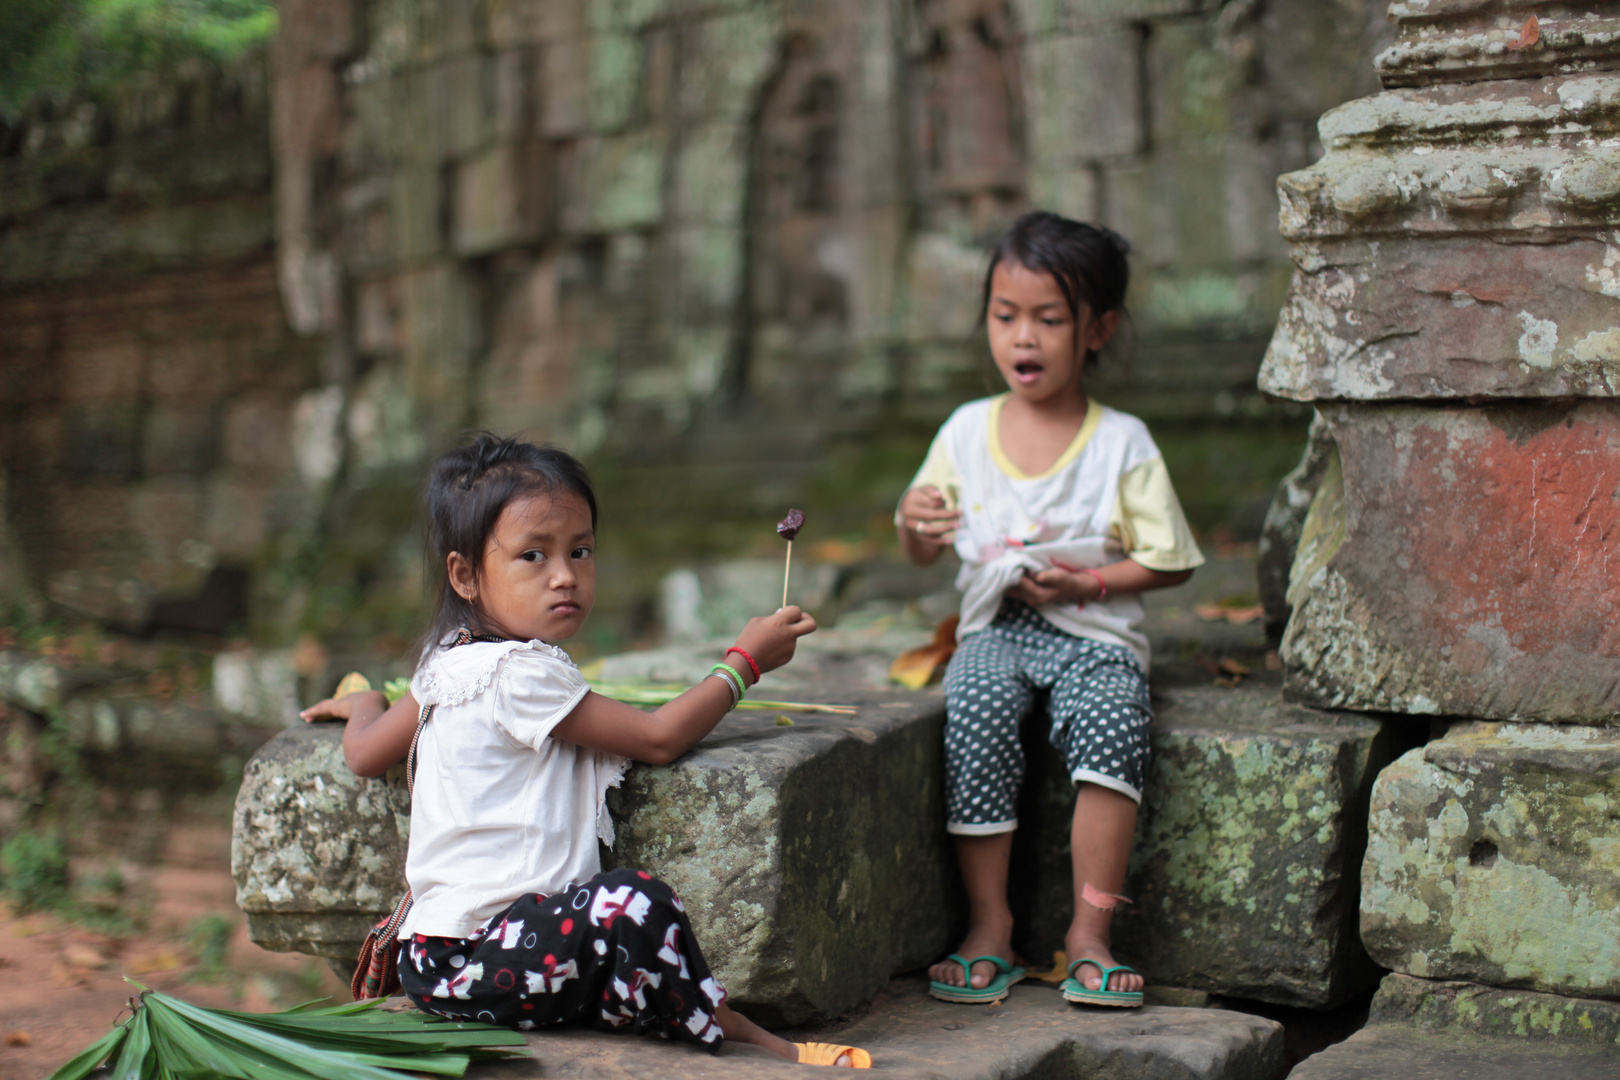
x: 614, y: 952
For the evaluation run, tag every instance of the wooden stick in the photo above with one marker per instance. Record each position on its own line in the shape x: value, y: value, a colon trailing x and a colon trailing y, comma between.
x: 786, y: 570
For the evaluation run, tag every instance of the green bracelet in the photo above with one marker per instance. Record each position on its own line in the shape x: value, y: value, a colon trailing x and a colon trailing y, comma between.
x: 733, y: 682
x: 742, y: 687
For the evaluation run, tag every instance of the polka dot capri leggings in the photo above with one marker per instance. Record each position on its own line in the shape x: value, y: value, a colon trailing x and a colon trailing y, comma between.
x: 1096, y: 695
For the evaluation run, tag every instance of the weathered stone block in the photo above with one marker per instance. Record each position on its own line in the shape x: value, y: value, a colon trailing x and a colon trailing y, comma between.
x: 812, y: 858
x: 1468, y: 1008
x: 417, y: 211
x: 1248, y: 843
x: 1248, y: 846
x: 317, y: 852
x: 1045, y: 16
x: 725, y: 62
x: 565, y: 88
x: 1083, y: 94
x: 711, y: 172
x: 1494, y: 856
x: 442, y: 326
x: 502, y: 198
x: 613, y: 183
x: 1498, y: 522
x: 1467, y: 316
x: 1423, y: 1030
x: 1379, y: 1051
x: 523, y: 22
x: 615, y: 81
x: 1439, y: 42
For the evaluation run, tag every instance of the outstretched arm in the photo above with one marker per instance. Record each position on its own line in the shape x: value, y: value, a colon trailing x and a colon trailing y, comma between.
x: 661, y: 736
x: 376, y: 734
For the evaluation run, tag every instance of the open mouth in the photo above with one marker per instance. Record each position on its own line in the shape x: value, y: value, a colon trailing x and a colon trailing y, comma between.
x: 1028, y: 370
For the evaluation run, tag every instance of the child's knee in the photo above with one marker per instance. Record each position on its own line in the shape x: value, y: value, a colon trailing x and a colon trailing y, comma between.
x: 658, y: 892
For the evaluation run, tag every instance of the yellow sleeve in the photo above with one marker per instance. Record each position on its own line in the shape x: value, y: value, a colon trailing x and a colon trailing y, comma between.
x: 1148, y: 521
x: 939, y: 470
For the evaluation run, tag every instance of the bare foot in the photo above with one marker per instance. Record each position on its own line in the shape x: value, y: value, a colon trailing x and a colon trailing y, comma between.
x: 738, y: 1028
x: 1089, y: 976
x: 979, y: 942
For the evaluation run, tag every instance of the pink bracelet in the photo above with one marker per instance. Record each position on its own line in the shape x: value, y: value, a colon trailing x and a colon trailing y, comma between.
x: 1101, y: 584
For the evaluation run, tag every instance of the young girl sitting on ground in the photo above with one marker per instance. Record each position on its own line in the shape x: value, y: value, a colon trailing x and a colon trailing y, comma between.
x: 1062, y: 512
x: 514, y: 921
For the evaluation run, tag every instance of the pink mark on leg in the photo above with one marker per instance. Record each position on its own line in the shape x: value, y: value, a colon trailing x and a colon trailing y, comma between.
x: 1104, y: 900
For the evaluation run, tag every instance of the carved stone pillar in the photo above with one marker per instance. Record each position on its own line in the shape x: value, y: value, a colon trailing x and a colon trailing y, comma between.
x: 1455, y: 317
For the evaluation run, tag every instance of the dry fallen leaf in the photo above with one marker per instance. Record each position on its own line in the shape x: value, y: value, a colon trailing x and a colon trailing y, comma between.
x: 19, y: 1038
x: 1529, y: 34
x: 352, y: 683
x: 1231, y: 667
x: 914, y: 668
x: 1059, y: 971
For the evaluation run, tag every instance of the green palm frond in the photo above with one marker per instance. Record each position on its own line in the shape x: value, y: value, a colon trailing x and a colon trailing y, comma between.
x: 651, y: 695
x: 167, y: 1037
x: 634, y: 693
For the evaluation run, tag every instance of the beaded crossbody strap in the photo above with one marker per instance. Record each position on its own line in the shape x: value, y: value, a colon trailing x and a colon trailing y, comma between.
x: 376, y: 973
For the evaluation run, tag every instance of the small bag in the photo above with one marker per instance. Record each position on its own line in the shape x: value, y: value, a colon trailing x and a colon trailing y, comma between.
x: 376, y: 972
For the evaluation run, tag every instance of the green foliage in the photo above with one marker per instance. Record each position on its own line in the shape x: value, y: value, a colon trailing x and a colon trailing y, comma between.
x: 169, y: 1037
x: 34, y: 871
x: 57, y: 46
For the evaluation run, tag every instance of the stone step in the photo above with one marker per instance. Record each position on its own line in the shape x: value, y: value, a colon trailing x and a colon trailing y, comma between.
x: 815, y: 864
x: 1494, y: 857
x: 1035, y: 1033
x: 1382, y: 1051
x: 1248, y: 851
x: 1422, y: 1029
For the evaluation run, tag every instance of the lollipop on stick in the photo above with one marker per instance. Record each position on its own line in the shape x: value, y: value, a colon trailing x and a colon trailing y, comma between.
x: 787, y: 529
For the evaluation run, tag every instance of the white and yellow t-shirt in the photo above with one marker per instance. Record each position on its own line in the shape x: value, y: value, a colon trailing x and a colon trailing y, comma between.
x: 1107, y: 497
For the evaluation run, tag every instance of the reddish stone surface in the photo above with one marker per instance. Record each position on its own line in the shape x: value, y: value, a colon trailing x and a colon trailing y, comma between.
x: 1478, y: 573
x: 1449, y: 317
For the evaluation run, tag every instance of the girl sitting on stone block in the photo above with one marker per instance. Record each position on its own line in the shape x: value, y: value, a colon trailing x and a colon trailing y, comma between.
x: 1062, y: 512
x: 513, y: 920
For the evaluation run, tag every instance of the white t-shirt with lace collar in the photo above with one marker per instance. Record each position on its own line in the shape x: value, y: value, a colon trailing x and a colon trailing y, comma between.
x: 500, y: 807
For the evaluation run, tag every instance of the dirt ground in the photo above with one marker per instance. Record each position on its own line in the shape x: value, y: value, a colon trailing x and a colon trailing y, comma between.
x: 62, y: 984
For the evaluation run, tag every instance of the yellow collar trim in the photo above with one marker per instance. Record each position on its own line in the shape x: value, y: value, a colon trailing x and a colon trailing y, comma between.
x: 1088, y: 428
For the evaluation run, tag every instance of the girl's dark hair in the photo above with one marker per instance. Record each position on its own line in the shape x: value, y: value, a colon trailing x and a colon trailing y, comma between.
x: 467, y: 490
x: 1087, y: 262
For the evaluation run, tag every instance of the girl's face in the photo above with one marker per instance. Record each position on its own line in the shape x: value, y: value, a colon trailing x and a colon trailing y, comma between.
x: 538, y: 578
x: 1038, y: 347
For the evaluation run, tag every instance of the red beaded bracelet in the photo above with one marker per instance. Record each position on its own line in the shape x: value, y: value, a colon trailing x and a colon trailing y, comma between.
x: 1101, y: 584
x: 752, y: 666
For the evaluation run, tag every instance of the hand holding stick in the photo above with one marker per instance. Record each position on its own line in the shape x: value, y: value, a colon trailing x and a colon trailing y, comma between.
x: 787, y: 529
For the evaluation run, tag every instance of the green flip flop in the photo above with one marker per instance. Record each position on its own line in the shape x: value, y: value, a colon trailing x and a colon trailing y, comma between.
x: 1075, y: 990
x: 1006, y: 975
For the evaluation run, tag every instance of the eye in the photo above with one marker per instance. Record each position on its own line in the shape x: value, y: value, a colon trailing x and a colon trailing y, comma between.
x: 1052, y: 322
x: 533, y: 556
x: 580, y: 553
